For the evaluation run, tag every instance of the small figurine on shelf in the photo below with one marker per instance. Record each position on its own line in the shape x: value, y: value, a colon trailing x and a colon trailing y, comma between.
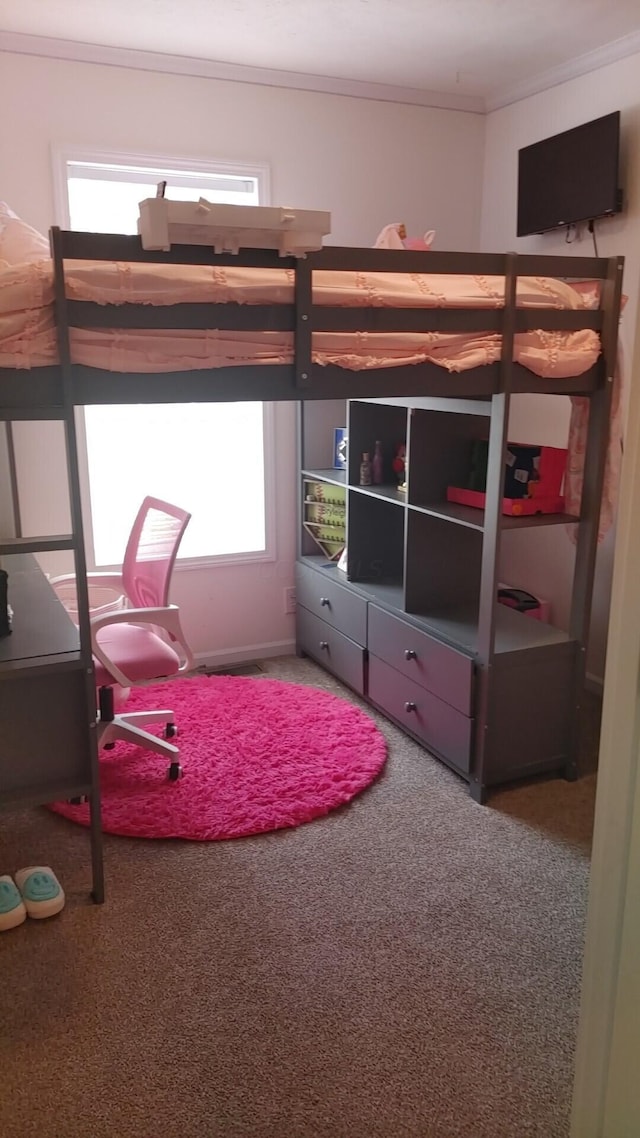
x: 365, y: 470
x: 399, y: 466
x: 377, y: 464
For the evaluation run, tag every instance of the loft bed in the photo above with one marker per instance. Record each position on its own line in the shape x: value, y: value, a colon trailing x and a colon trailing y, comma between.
x: 337, y: 298
x: 511, y: 309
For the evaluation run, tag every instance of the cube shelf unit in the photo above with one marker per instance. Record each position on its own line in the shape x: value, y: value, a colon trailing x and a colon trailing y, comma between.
x: 413, y: 623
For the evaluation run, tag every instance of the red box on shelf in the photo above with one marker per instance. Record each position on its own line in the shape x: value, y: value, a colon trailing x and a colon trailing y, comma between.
x: 541, y: 491
x: 514, y: 506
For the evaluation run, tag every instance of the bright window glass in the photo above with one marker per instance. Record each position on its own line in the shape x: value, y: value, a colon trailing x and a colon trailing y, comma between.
x: 207, y: 458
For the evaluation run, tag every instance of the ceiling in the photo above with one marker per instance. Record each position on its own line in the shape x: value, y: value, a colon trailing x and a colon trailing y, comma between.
x: 468, y: 48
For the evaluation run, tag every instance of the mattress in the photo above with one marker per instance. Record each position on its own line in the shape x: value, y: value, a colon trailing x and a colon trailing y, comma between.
x: 27, y: 325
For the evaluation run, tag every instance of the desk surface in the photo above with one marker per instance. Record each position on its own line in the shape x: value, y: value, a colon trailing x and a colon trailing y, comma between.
x: 42, y: 628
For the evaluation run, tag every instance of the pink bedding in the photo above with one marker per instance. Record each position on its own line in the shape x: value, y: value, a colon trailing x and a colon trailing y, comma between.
x: 27, y: 329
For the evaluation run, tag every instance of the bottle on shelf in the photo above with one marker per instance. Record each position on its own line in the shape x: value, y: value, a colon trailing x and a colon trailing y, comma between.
x: 377, y: 464
x: 365, y: 470
x: 399, y: 466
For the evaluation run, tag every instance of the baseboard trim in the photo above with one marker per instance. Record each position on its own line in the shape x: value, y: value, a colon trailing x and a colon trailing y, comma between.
x: 224, y: 657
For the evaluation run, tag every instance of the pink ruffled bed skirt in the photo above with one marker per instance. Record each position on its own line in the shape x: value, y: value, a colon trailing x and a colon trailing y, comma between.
x: 27, y: 329
x: 28, y: 339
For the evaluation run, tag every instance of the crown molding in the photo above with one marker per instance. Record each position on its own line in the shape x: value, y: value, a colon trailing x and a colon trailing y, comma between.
x: 133, y: 58
x: 572, y: 69
x: 70, y: 50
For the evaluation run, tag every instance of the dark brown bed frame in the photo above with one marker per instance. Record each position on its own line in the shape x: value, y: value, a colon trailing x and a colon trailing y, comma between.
x: 42, y: 388
x: 54, y: 392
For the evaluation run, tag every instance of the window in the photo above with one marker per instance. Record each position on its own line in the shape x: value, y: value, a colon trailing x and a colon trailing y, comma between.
x: 103, y: 196
x: 187, y: 453
x: 212, y: 459
x: 122, y: 180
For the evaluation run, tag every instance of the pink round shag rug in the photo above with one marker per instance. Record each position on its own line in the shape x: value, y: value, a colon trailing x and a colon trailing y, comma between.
x: 257, y: 755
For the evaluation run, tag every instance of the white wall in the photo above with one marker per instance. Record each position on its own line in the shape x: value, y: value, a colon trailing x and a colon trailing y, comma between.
x: 369, y: 163
x: 543, y: 560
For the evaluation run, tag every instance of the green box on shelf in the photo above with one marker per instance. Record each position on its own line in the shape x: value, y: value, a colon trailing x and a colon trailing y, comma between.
x: 324, y: 492
x: 330, y: 539
x: 329, y: 513
x: 325, y: 510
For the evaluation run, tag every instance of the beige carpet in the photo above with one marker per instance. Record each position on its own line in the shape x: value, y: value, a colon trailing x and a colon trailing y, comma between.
x: 407, y: 967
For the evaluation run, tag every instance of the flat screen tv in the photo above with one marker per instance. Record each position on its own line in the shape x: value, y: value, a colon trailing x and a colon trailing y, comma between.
x: 570, y: 177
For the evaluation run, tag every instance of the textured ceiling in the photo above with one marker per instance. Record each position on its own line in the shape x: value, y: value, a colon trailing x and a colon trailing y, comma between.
x: 465, y: 47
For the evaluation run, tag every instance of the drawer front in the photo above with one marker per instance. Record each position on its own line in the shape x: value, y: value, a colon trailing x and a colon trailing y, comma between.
x: 430, y: 663
x: 332, y: 603
x: 440, y: 727
x: 331, y: 649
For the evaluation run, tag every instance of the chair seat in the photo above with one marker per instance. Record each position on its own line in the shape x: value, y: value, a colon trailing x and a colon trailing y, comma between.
x: 138, y: 652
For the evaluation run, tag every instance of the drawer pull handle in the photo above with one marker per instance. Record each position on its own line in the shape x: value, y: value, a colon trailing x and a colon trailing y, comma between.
x: 324, y: 644
x: 325, y: 602
x: 410, y: 705
x: 410, y: 654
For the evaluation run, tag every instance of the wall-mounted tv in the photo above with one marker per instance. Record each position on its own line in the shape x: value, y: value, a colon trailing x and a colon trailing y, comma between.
x: 570, y: 177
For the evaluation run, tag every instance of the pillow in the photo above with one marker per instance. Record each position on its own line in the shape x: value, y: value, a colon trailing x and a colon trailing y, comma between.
x: 395, y: 237
x: 589, y: 292
x: 420, y: 242
x: 19, y: 242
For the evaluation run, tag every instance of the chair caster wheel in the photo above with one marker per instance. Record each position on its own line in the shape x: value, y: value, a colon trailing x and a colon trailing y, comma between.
x: 174, y: 772
x: 79, y: 801
x: 170, y: 731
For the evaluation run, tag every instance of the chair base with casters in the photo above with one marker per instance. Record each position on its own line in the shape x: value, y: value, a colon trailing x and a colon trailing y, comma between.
x: 126, y: 727
x: 126, y: 654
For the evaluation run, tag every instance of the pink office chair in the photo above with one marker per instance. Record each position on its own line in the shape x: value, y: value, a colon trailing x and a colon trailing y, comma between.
x: 126, y: 649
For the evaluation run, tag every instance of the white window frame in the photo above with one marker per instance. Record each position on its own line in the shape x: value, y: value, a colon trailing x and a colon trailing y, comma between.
x: 62, y: 155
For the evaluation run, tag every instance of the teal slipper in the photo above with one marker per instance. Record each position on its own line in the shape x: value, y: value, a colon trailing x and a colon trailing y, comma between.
x: 12, y: 907
x: 41, y: 891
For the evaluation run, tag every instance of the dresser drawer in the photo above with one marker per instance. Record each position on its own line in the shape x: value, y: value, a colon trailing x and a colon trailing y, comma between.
x: 332, y: 602
x: 331, y: 649
x: 438, y: 725
x: 430, y: 663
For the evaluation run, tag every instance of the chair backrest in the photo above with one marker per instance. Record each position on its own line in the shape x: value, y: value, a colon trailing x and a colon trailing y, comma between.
x: 151, y: 552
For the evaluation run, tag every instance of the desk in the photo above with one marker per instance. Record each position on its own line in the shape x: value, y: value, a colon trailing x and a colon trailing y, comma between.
x: 46, y: 749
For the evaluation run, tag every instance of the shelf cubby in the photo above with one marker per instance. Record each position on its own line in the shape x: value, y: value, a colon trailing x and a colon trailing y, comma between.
x: 442, y: 565
x: 319, y: 419
x: 376, y: 536
x: 369, y: 422
x: 439, y: 455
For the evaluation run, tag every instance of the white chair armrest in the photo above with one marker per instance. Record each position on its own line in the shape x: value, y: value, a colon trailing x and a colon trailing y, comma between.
x: 109, y: 580
x: 106, y: 593
x: 63, y: 579
x: 167, y: 618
